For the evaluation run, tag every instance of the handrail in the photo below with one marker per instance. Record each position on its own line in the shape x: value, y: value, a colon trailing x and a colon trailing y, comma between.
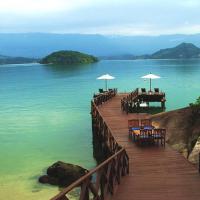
x: 99, y: 99
x: 100, y: 114
x: 128, y: 100
x: 133, y: 100
x: 109, y: 172
x: 87, y: 176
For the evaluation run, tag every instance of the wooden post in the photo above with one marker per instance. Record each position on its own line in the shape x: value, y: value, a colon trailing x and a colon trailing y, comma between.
x: 127, y: 107
x: 150, y: 84
x: 163, y: 104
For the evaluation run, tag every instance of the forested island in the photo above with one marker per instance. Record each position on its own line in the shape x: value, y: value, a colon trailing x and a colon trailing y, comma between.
x: 68, y: 58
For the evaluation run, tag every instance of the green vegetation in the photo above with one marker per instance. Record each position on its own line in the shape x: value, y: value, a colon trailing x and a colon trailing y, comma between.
x: 183, y: 51
x: 195, y: 108
x: 196, y: 103
x: 68, y: 58
x: 15, y: 60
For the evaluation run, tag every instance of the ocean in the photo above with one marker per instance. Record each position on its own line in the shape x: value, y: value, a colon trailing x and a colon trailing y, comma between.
x: 45, y: 114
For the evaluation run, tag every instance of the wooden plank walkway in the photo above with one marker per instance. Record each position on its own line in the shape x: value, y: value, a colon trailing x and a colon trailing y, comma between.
x: 156, y: 173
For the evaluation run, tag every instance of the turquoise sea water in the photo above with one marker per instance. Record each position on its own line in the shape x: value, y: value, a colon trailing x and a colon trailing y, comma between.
x: 44, y: 114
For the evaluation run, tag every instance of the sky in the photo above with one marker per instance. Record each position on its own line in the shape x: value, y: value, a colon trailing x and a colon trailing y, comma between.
x: 108, y: 17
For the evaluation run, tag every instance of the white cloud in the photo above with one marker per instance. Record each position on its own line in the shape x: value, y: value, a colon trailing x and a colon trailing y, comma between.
x: 28, y: 7
x: 144, y: 17
x: 190, y: 3
x: 129, y: 29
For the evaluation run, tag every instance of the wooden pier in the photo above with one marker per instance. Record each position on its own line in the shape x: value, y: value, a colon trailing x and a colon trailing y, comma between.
x: 155, y: 173
x: 132, y: 172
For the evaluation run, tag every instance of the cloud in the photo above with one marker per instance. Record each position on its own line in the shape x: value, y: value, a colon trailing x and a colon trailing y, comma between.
x: 130, y: 17
x: 29, y: 7
x: 190, y: 3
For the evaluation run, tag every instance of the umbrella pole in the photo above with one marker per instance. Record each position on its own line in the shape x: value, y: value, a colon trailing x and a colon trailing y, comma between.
x: 106, y: 84
x: 150, y: 84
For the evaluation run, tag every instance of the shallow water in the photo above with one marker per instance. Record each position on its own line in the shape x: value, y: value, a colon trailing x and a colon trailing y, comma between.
x: 44, y: 114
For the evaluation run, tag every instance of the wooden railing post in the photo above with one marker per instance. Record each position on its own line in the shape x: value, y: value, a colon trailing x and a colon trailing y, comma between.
x: 102, y: 98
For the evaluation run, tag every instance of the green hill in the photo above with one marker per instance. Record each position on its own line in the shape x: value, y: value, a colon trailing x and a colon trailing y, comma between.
x: 68, y: 57
x: 184, y: 51
x: 16, y: 60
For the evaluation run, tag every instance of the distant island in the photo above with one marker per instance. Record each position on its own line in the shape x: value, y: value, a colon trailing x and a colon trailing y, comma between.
x: 16, y: 60
x: 182, y: 51
x: 68, y: 58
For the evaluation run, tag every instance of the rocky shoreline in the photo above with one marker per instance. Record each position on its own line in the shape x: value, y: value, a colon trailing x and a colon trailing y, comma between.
x: 183, y: 131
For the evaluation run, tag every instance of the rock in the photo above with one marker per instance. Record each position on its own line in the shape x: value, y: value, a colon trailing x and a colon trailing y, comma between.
x: 44, y: 179
x: 194, y: 155
x: 182, y: 130
x: 48, y: 179
x: 62, y: 174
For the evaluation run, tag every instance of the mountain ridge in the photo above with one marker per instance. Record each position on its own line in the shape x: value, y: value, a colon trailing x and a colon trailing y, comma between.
x: 183, y: 50
x: 16, y: 60
x: 38, y: 45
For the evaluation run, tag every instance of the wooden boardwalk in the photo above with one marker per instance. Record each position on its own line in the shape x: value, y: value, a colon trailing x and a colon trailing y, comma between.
x: 156, y: 173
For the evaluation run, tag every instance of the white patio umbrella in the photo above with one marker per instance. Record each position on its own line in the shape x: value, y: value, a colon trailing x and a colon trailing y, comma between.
x: 106, y: 77
x: 150, y: 76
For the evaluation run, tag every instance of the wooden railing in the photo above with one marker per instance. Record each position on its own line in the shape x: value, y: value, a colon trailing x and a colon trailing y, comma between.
x: 129, y: 99
x: 103, y: 132
x: 131, y: 103
x: 102, y: 181
x: 101, y: 98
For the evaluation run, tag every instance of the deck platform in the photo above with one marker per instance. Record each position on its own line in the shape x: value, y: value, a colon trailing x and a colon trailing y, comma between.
x: 156, y: 173
x: 132, y: 102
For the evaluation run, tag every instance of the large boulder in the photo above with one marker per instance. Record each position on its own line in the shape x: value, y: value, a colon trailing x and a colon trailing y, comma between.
x: 183, y: 130
x: 62, y: 174
x: 194, y: 155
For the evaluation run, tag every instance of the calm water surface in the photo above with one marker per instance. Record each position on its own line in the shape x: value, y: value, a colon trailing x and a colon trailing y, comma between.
x: 44, y: 114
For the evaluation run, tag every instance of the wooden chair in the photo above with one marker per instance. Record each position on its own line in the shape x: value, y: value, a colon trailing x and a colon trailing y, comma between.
x: 156, y: 90
x: 145, y: 137
x: 133, y: 124
x: 146, y: 122
x: 101, y: 90
x: 143, y: 90
x: 159, y: 135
